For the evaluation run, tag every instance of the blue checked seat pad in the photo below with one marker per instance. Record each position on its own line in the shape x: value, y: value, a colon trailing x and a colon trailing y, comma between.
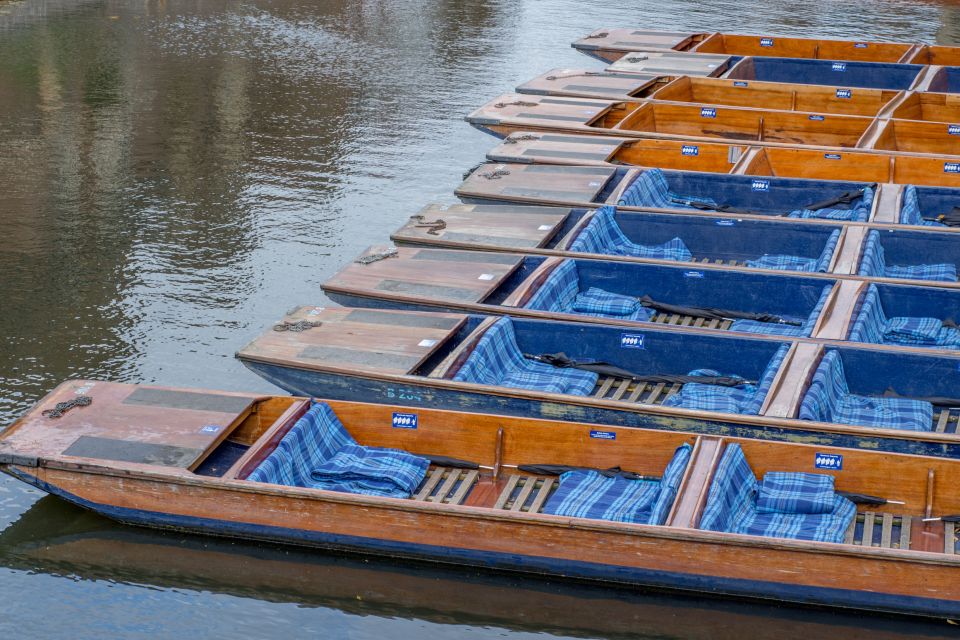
x: 873, y: 263
x: 872, y: 325
x: 319, y: 453
x: 497, y: 360
x: 746, y: 399
x: 732, y: 503
x: 799, y: 263
x: 588, y: 494
x: 560, y: 293
x: 910, y: 210
x: 604, y: 236
x: 828, y: 399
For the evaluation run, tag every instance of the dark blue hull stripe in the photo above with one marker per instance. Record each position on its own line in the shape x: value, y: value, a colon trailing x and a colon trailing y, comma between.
x: 800, y: 594
x: 358, y: 389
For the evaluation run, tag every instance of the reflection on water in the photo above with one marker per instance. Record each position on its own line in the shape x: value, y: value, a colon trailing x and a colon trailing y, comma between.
x: 174, y: 175
x: 347, y: 591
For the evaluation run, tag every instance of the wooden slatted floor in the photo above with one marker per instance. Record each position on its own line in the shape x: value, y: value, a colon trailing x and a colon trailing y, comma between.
x: 526, y: 493
x: 946, y: 419
x: 610, y: 388
x: 446, y: 486
x: 690, y: 321
x: 886, y: 530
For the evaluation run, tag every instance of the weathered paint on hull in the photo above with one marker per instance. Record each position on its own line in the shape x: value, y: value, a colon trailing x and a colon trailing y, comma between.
x: 359, y: 389
x: 591, y: 571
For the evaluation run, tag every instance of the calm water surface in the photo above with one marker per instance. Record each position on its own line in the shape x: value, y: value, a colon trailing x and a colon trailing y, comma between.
x: 174, y: 175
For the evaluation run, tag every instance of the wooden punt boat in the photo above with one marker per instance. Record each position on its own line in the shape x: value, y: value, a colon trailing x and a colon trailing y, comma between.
x: 717, y: 157
x: 149, y: 456
x: 779, y: 96
x: 432, y: 359
x: 695, y: 123
x: 776, y: 305
x: 749, y: 197
x: 612, y: 44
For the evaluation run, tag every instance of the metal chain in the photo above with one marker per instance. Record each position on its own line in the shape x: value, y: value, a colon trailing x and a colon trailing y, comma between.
x: 518, y: 103
x: 495, y: 175
x: 296, y: 327
x: 377, y: 257
x: 62, y: 407
x: 433, y: 228
x: 636, y: 58
x: 514, y: 139
x: 602, y: 34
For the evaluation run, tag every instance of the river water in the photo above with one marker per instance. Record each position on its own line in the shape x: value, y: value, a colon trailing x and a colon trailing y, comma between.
x: 175, y: 174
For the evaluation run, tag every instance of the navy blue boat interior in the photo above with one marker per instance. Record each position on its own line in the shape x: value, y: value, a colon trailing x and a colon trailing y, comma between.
x: 946, y: 80
x: 868, y: 75
x: 910, y: 255
x: 907, y: 316
x: 922, y: 205
x: 788, y: 197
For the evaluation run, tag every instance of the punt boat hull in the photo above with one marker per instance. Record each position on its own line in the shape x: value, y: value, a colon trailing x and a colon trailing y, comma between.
x: 678, y: 560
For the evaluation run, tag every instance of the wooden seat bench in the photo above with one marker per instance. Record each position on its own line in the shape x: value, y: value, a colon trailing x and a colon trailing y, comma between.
x: 526, y: 493
x: 885, y: 530
x: 446, y: 485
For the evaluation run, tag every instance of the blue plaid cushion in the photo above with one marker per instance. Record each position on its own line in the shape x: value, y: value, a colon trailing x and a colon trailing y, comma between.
x: 776, y: 329
x: 731, y: 496
x: 651, y: 190
x: 373, y: 471
x: 828, y: 399
x: 795, y: 493
x: 944, y: 272
x: 870, y: 322
x: 744, y: 400
x: 604, y: 236
x: 497, y: 360
x: 588, y: 494
x: 872, y: 325
x: 558, y: 290
x: 781, y: 262
x: 731, y: 507
x: 910, y: 210
x: 603, y: 304
x: 560, y: 293
x: 319, y: 453
x: 312, y: 440
x: 670, y: 484
x: 873, y: 263
x: 859, y: 212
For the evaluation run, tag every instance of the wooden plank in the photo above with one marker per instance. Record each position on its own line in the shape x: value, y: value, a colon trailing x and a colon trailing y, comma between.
x: 467, y: 480
x: 949, y: 538
x: 507, y: 491
x: 905, y: 522
x: 848, y: 536
x: 452, y: 475
x: 542, y: 495
x: 886, y: 530
x: 432, y: 480
x: 528, y: 484
x: 868, y: 520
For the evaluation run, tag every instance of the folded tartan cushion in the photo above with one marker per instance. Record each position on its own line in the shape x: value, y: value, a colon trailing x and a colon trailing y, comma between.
x: 795, y: 493
x: 589, y: 494
x: 603, y: 235
x: 371, y: 471
x: 596, y: 301
x: 319, y: 453
x: 905, y: 330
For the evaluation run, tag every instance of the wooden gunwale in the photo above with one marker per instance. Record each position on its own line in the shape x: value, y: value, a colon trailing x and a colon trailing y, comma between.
x: 657, y: 410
